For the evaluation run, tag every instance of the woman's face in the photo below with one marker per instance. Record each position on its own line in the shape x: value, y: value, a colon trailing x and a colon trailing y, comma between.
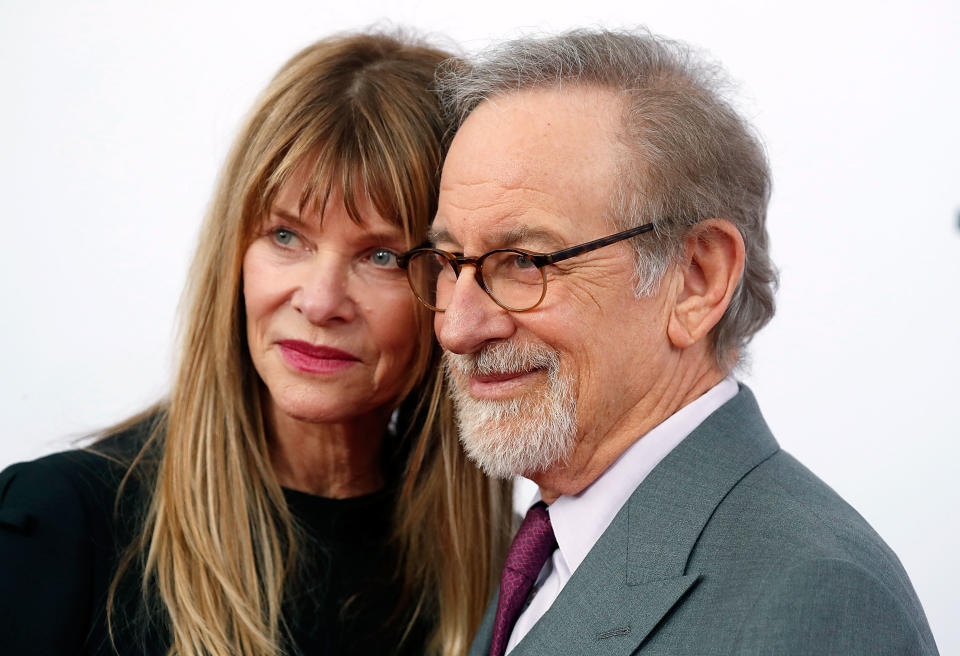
x: 331, y: 323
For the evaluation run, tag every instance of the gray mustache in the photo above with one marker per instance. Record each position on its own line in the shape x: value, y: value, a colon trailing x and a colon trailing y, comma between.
x: 503, y: 357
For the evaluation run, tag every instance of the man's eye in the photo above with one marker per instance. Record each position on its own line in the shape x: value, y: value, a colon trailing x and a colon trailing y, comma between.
x: 523, y: 262
x: 383, y: 258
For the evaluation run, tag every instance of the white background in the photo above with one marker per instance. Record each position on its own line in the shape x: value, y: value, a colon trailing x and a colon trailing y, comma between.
x: 115, y: 117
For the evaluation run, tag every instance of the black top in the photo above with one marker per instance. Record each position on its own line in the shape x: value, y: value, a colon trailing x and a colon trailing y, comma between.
x: 61, y: 539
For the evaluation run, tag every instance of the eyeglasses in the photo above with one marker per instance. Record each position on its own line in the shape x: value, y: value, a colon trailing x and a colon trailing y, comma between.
x: 512, y: 277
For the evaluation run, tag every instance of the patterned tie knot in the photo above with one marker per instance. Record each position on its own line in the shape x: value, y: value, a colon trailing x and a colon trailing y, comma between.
x: 531, y: 547
x: 533, y: 543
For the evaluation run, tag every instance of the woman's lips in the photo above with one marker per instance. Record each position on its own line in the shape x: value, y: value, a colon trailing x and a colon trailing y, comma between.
x: 314, y: 359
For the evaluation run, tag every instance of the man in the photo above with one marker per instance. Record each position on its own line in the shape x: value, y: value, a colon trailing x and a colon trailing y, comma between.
x: 673, y: 522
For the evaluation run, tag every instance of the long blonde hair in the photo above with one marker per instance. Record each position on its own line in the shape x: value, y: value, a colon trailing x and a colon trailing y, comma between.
x: 217, y: 545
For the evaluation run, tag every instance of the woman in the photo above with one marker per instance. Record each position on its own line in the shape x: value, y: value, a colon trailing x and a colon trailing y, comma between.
x: 269, y: 506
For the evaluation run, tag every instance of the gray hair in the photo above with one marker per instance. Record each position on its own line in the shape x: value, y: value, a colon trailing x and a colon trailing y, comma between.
x: 690, y: 156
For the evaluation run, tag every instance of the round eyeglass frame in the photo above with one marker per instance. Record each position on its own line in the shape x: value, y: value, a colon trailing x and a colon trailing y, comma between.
x: 457, y: 262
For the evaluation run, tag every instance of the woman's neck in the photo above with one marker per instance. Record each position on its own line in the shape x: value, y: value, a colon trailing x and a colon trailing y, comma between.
x: 335, y: 460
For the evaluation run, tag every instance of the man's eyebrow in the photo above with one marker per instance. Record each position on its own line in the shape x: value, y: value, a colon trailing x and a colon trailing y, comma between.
x: 440, y: 235
x: 522, y: 235
x: 517, y: 236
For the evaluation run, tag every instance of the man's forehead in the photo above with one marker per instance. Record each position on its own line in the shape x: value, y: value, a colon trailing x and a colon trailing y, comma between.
x: 533, y: 163
x: 522, y: 138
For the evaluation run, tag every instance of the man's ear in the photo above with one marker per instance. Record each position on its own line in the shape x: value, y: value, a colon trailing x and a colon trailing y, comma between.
x: 709, y: 271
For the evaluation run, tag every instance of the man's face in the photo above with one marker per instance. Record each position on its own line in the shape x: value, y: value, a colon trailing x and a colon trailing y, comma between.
x: 538, y: 389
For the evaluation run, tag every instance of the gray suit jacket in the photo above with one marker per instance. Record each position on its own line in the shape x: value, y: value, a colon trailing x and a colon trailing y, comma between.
x: 731, y: 546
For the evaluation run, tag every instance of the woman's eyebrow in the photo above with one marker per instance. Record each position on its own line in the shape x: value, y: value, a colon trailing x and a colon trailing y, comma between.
x: 286, y: 215
x: 384, y: 236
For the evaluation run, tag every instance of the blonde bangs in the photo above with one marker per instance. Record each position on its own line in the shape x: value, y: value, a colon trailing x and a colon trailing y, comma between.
x: 382, y: 142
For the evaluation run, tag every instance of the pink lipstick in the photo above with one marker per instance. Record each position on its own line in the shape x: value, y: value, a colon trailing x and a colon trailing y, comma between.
x: 314, y: 359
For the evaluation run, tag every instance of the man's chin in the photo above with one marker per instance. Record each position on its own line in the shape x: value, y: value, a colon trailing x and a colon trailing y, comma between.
x: 513, y: 424
x: 495, y: 460
x: 505, y: 443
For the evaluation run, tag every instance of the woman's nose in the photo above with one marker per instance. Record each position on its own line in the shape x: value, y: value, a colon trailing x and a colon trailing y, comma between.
x: 325, y: 293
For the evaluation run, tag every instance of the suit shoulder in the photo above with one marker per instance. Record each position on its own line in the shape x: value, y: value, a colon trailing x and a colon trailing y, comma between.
x: 809, y: 555
x: 834, y: 606
x: 787, y: 500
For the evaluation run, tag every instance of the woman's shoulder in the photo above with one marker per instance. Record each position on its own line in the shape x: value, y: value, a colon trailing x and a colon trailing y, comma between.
x: 62, y: 487
x: 46, y: 557
x: 60, y: 534
x: 71, y: 486
x: 124, y: 444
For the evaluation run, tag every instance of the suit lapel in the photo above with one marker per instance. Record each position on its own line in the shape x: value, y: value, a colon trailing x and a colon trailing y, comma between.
x: 670, y: 508
x: 637, y: 571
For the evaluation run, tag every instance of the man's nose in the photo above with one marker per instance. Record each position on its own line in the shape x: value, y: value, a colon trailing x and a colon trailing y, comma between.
x: 325, y: 292
x: 472, y: 318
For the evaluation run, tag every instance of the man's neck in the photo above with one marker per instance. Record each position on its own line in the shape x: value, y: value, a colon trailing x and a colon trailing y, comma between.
x: 596, y: 451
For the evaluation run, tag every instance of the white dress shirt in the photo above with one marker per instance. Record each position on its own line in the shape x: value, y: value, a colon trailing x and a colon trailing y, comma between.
x: 579, y: 521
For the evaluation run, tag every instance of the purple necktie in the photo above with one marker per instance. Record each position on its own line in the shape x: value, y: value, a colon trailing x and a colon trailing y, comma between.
x: 531, y: 547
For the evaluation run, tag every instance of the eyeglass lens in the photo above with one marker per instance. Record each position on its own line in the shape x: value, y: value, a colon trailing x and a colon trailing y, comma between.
x: 510, y: 277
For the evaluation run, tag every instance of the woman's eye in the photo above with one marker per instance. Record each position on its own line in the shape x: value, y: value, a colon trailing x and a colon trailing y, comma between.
x: 283, y: 236
x: 382, y: 257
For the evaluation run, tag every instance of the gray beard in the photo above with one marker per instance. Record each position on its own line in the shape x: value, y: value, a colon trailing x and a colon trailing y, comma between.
x: 519, y: 436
